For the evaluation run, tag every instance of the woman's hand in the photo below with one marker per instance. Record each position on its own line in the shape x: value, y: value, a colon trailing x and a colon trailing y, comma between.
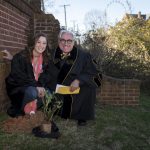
x: 7, y: 55
x: 74, y: 85
x: 41, y: 92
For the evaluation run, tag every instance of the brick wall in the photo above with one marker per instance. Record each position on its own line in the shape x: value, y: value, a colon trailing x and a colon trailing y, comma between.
x: 47, y: 24
x: 14, y: 24
x: 119, y: 91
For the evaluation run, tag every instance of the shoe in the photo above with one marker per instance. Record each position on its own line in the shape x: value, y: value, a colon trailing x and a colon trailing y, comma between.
x: 32, y: 112
x: 31, y: 107
x: 81, y: 122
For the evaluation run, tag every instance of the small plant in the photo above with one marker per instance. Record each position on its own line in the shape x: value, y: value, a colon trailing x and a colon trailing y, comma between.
x: 51, y: 105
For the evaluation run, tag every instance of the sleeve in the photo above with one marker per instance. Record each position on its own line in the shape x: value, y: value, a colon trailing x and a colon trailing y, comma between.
x: 48, y: 78
x: 89, y: 73
x: 19, y: 74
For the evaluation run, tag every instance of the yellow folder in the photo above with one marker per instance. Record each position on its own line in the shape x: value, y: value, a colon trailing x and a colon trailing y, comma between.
x: 62, y: 89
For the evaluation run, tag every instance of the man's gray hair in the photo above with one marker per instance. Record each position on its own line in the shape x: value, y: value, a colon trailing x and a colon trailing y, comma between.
x: 63, y: 32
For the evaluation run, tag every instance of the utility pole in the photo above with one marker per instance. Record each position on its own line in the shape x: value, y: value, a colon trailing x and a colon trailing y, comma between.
x: 65, y: 13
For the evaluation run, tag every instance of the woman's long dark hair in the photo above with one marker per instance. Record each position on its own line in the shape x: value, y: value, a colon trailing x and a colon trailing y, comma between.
x: 46, y: 53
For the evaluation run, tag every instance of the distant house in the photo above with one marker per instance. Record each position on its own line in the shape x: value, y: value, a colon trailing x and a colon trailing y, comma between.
x: 139, y: 15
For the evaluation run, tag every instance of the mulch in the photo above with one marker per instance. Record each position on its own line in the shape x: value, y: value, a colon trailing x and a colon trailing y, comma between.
x: 23, y: 124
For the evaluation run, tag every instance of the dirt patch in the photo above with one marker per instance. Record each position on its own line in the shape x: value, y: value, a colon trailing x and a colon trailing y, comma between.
x: 23, y: 124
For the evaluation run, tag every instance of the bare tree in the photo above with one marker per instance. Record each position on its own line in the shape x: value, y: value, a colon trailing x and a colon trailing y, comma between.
x: 94, y: 19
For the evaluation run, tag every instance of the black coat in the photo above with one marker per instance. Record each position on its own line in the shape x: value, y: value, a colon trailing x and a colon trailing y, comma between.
x: 79, y: 65
x: 22, y: 76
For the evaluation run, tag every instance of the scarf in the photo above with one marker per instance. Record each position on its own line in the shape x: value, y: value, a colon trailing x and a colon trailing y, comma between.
x: 37, y: 68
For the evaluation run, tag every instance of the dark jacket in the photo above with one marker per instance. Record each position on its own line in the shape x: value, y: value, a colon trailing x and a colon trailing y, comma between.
x: 22, y: 76
x: 79, y: 65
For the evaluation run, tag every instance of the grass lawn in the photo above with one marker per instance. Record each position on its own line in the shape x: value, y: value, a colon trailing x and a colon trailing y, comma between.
x: 115, y: 128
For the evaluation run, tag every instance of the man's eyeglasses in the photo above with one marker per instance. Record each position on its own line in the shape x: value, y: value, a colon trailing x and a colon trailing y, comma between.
x: 63, y: 41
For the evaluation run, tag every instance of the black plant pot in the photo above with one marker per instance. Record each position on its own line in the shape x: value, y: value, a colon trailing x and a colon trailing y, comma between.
x: 53, y: 132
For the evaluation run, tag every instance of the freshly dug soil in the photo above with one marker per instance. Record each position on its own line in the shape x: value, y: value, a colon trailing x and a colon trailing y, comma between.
x: 23, y: 124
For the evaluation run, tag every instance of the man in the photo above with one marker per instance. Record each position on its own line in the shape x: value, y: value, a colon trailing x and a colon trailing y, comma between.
x: 76, y: 69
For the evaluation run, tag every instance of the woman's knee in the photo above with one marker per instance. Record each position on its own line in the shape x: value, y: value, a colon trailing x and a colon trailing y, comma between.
x: 31, y: 92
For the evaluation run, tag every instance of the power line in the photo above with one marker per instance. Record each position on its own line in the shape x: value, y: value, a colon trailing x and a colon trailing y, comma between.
x: 65, y: 13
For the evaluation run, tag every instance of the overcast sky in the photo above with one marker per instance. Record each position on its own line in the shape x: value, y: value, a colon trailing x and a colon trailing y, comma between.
x: 76, y: 10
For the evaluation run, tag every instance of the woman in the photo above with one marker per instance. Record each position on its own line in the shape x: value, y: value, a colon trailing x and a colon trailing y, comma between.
x: 32, y: 72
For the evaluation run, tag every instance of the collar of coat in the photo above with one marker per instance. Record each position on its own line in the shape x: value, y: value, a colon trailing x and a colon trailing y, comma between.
x: 58, y: 56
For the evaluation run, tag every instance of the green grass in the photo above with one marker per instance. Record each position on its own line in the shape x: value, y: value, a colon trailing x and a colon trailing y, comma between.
x: 115, y: 128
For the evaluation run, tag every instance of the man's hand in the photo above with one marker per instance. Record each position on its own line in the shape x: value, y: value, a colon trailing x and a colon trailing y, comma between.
x: 7, y: 55
x: 41, y: 92
x: 74, y: 85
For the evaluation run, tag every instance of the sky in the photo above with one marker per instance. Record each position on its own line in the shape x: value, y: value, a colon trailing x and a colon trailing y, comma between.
x: 77, y: 9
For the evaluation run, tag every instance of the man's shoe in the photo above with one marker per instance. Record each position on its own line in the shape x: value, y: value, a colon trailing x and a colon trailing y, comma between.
x: 81, y: 122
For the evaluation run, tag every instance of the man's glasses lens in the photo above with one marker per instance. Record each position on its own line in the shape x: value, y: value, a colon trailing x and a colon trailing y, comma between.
x: 63, y: 41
